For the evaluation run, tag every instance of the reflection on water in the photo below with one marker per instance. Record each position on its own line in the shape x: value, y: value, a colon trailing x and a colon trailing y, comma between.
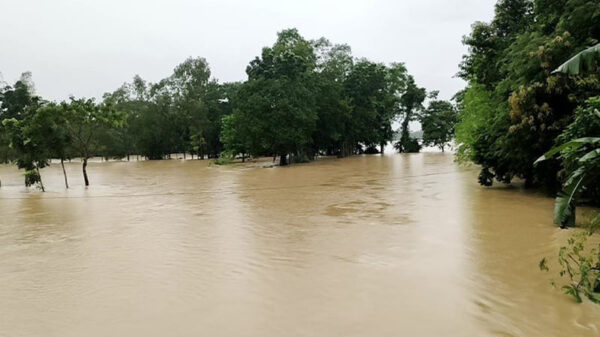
x: 365, y: 246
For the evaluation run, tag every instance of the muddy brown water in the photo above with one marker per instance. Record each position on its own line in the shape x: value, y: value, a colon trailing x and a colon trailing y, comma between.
x: 395, y: 245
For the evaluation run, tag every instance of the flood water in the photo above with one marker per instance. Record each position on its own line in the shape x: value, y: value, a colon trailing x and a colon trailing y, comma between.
x: 395, y: 245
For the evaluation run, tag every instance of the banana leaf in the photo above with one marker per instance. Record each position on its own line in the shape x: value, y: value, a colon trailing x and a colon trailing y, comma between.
x: 574, y: 144
x: 590, y: 156
x: 584, y: 61
x: 564, y: 207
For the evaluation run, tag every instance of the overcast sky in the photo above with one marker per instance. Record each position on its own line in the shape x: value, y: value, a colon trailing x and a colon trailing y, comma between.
x: 86, y: 48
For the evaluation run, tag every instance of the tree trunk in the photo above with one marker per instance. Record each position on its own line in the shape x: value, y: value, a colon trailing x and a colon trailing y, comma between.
x: 62, y: 163
x: 243, y: 157
x: 283, y: 160
x: 382, y: 147
x: 184, y: 155
x: 128, y: 157
x: 40, y: 175
x: 85, y: 176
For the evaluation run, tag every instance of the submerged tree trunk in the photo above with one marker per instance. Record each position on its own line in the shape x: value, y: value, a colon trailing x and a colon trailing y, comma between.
x: 62, y: 163
x: 243, y: 157
x: 382, y: 147
x: 40, y: 176
x: 85, y: 176
x: 283, y: 160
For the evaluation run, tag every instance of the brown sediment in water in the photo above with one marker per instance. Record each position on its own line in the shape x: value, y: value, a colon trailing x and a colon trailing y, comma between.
x: 364, y: 246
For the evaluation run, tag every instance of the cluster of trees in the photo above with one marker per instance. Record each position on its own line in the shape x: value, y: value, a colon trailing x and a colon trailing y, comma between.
x: 302, y: 98
x: 180, y: 114
x: 516, y: 107
x: 32, y: 131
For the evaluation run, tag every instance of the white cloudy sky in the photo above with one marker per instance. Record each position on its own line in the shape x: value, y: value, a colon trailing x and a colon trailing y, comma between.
x: 88, y: 47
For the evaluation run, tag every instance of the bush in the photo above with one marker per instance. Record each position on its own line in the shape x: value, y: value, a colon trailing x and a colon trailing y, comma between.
x: 408, y: 145
x: 224, y: 159
x: 579, y: 265
x: 32, y: 177
x: 371, y: 150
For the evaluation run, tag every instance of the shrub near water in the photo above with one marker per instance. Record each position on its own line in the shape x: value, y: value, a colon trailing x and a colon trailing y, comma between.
x: 224, y: 159
x: 579, y: 265
x: 32, y: 178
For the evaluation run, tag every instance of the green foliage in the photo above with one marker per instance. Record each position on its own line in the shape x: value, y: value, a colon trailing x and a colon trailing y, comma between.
x: 233, y: 133
x: 16, y: 102
x: 411, y: 103
x: 514, y: 108
x: 277, y: 103
x: 579, y: 266
x: 32, y: 177
x: 30, y: 149
x: 476, y: 116
x: 581, y: 160
x: 181, y: 113
x: 408, y: 145
x: 224, y: 159
x: 85, y: 121
x: 304, y: 97
x: 438, y: 122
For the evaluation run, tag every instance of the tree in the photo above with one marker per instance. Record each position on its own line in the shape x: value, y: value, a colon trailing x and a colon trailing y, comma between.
x: 189, y: 85
x: 372, y: 91
x: 438, y: 122
x: 277, y: 104
x: 233, y: 136
x: 332, y: 133
x: 15, y: 103
x: 46, y: 128
x: 84, y: 121
x: 411, y: 102
x: 514, y: 107
x: 32, y: 155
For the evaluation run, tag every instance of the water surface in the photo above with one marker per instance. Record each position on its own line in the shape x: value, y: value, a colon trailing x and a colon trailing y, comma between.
x: 365, y: 246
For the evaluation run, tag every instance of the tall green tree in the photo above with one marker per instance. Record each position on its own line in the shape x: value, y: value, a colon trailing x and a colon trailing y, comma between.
x: 84, y: 121
x: 31, y: 149
x: 332, y: 133
x: 16, y: 102
x: 438, y: 121
x: 46, y: 127
x: 411, y: 103
x: 277, y: 103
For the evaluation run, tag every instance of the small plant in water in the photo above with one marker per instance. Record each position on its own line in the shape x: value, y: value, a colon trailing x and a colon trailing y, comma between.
x: 579, y: 265
x: 224, y: 159
x: 32, y: 177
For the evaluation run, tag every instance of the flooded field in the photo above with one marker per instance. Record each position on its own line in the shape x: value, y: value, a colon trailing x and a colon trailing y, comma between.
x: 366, y: 246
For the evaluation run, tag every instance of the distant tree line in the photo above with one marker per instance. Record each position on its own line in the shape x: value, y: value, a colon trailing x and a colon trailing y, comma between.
x: 303, y: 98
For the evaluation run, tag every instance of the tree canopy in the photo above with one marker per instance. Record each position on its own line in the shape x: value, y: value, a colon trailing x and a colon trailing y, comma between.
x: 514, y: 107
